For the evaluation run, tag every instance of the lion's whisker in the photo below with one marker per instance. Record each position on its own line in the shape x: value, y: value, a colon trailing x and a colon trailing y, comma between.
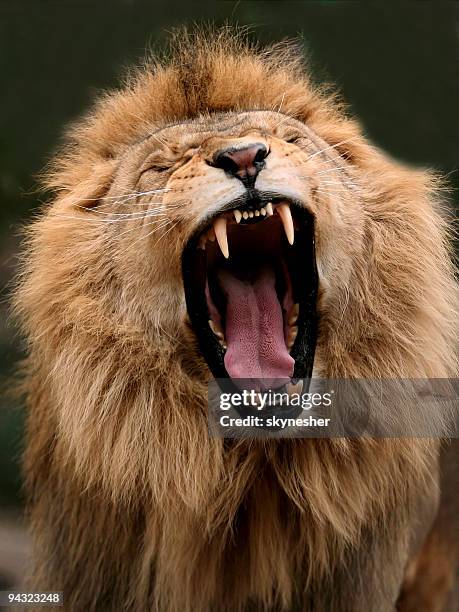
x: 124, y: 215
x: 111, y: 221
x: 345, y: 182
x: 162, y: 225
x: 148, y: 202
x: 129, y: 195
x: 330, y: 147
x: 281, y: 103
x: 166, y: 223
x: 159, y: 221
x: 329, y: 192
x: 162, y: 142
x: 139, y: 193
x: 165, y: 233
x: 329, y: 188
x: 153, y: 209
x: 333, y: 161
x: 336, y: 169
x: 128, y: 200
x: 137, y: 214
x: 161, y: 204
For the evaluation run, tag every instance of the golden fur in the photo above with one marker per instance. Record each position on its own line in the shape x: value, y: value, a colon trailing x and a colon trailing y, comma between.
x: 132, y: 505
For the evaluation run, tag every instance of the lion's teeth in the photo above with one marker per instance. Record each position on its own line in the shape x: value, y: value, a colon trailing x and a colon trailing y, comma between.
x: 202, y: 242
x: 293, y: 316
x: 291, y: 337
x: 263, y: 212
x: 220, y: 233
x: 245, y: 215
x: 250, y: 214
x: 257, y: 213
x: 269, y: 209
x: 237, y: 215
x: 291, y: 388
x: 211, y: 235
x: 287, y: 221
x: 216, y: 330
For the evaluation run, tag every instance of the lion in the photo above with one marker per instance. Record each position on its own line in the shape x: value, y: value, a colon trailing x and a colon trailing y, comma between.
x: 220, y: 215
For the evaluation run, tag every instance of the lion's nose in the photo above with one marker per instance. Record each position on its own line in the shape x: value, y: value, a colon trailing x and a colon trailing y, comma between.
x: 244, y: 163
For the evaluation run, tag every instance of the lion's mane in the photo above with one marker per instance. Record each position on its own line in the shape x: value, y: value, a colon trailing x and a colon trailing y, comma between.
x: 132, y: 504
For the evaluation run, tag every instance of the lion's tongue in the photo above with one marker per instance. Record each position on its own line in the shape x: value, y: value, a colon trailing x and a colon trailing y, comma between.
x: 254, y: 329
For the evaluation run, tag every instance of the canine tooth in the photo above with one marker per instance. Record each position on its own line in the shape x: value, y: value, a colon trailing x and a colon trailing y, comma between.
x: 293, y: 316
x: 269, y: 209
x: 287, y: 221
x: 237, y: 215
x: 263, y: 211
x: 220, y: 233
x: 245, y: 215
x: 257, y: 213
x: 216, y: 330
x: 291, y: 337
x: 250, y: 214
x: 291, y: 388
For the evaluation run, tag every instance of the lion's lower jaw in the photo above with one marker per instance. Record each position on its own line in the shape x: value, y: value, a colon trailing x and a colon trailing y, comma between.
x: 264, y: 527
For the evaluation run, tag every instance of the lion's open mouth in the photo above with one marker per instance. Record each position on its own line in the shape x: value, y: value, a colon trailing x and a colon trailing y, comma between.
x: 251, y: 287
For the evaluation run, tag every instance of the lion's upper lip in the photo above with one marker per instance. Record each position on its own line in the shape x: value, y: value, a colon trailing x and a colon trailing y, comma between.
x: 254, y: 199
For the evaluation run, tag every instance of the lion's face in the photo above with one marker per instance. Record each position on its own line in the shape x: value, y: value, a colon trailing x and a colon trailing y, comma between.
x: 235, y: 212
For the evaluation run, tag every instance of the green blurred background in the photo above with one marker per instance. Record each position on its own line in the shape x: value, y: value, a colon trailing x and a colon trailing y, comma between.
x: 395, y: 63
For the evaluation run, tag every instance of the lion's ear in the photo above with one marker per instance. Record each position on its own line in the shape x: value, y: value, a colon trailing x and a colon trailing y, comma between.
x: 82, y: 186
x: 97, y: 183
